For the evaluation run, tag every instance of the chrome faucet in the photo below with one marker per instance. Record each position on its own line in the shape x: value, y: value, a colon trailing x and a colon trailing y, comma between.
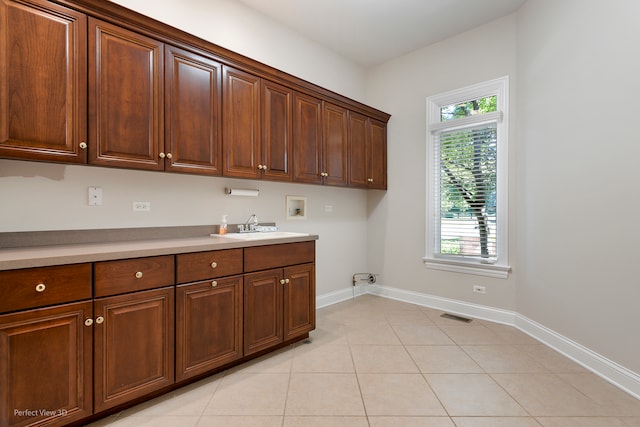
x: 250, y: 225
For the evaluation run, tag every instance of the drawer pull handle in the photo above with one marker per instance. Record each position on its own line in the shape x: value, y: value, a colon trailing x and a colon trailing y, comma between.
x: 88, y: 322
x: 139, y: 275
x: 99, y: 320
x: 214, y: 264
x: 214, y: 284
x: 40, y: 287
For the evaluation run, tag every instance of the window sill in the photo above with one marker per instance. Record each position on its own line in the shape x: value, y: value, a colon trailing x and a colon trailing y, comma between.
x: 489, y: 270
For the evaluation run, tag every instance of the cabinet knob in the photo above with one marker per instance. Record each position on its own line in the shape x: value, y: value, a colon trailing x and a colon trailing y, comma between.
x: 169, y: 156
x: 370, y: 179
x: 88, y: 322
x: 83, y: 145
x: 260, y: 167
x: 139, y: 275
x: 282, y: 281
x: 162, y: 155
x: 40, y: 287
x: 99, y: 320
x: 214, y: 264
x: 324, y: 174
x: 214, y: 284
x: 286, y: 280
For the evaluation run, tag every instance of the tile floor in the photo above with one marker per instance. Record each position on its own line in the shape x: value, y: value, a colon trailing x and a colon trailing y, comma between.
x: 377, y: 362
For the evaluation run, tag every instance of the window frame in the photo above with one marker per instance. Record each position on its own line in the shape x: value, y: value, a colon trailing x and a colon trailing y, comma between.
x: 469, y: 265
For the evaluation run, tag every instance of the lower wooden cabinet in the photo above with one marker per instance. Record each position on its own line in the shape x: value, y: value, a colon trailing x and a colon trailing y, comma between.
x: 46, y: 366
x: 262, y: 310
x: 140, y: 333
x: 208, y: 325
x: 279, y: 305
x: 299, y: 301
x: 133, y: 346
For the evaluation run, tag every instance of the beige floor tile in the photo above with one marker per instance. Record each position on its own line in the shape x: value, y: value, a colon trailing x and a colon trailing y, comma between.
x: 613, y: 400
x: 443, y: 359
x: 473, y: 395
x: 580, y: 422
x: 279, y: 361
x: 250, y: 393
x: 398, y: 394
x: 631, y: 421
x: 382, y: 359
x: 367, y: 333
x: 239, y: 421
x: 471, y: 334
x: 408, y: 316
x: 157, y: 421
x: 502, y: 359
x: 550, y: 358
x: 325, y: 422
x: 421, y: 334
x: 496, y: 422
x: 510, y: 334
x: 410, y: 422
x: 322, y: 358
x: 331, y: 333
x: 547, y: 395
x: 324, y: 394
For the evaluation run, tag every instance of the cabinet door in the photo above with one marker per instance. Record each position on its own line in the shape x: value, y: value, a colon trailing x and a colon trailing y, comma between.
x: 277, y: 132
x: 208, y: 325
x: 307, y: 139
x: 126, y: 83
x: 335, y: 145
x: 134, y: 346
x: 43, y: 82
x: 193, y: 140
x: 377, y: 155
x: 262, y: 310
x: 45, y: 366
x: 299, y: 300
x: 241, y: 118
x: 358, y: 151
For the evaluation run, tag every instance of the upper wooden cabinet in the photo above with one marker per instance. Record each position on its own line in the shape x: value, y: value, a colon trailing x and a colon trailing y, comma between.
x: 368, y: 152
x: 107, y: 86
x: 241, y: 117
x: 43, y: 81
x: 277, y: 131
x: 335, y: 145
x: 320, y: 141
x: 193, y: 119
x: 257, y: 123
x: 126, y: 98
x: 307, y: 139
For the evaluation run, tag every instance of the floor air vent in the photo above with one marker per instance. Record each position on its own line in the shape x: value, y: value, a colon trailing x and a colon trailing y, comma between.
x: 454, y: 317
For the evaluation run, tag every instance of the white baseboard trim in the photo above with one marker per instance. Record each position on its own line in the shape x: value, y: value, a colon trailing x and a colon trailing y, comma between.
x: 340, y: 295
x: 610, y: 371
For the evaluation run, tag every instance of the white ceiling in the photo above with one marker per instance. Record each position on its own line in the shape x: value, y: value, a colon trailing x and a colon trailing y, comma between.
x: 370, y: 32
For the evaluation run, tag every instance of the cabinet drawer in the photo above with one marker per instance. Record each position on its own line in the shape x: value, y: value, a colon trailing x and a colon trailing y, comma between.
x: 207, y: 265
x: 273, y: 256
x: 130, y: 275
x: 42, y: 286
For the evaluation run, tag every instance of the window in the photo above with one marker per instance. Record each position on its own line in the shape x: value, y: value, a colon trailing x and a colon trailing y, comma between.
x: 467, y: 180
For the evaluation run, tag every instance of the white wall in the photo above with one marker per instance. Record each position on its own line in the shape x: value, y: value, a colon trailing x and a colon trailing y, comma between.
x: 578, y: 74
x: 41, y: 196
x: 397, y: 217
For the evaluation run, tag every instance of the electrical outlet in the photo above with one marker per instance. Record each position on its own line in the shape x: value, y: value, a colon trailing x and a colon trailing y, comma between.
x: 141, y: 206
x: 95, y: 196
x: 479, y: 289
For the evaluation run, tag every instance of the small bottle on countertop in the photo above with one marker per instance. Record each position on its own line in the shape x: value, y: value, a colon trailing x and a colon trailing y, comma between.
x: 223, y: 225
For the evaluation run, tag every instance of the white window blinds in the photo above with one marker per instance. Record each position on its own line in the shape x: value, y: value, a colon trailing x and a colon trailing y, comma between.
x: 466, y: 164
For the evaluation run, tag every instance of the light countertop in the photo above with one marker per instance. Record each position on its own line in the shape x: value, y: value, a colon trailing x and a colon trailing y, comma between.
x: 41, y: 256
